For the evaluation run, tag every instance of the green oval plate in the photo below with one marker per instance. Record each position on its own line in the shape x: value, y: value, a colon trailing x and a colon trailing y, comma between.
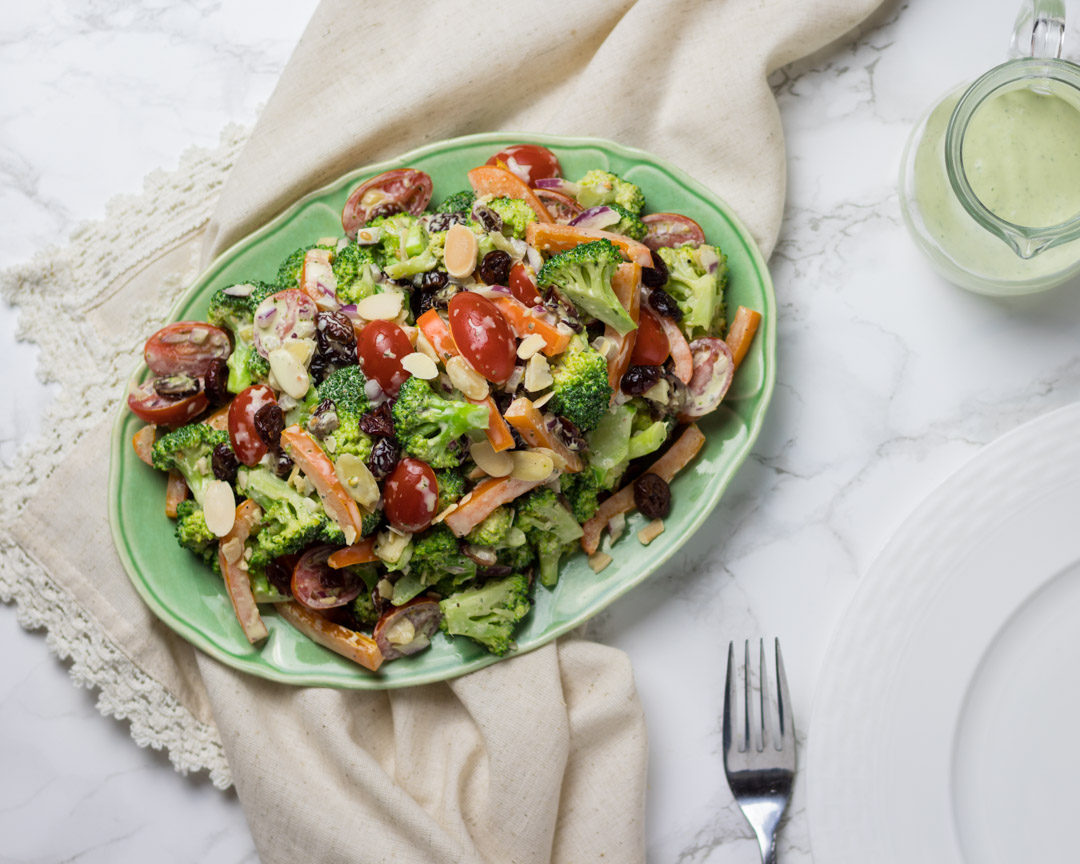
x: 190, y: 599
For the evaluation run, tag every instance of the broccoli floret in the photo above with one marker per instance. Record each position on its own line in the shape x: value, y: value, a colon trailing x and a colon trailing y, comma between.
x: 629, y: 225
x: 288, y: 275
x: 581, y: 389
x: 602, y: 187
x: 394, y: 234
x: 363, y: 610
x: 233, y: 308
x: 330, y: 532
x: 459, y: 202
x: 188, y: 450
x: 697, y: 276
x: 515, y: 214
x: 550, y: 527
x: 451, y: 487
x: 192, y: 533
x: 290, y: 521
x: 493, y: 528
x: 584, y: 274
x: 518, y: 558
x: 370, y: 523
x: 581, y: 490
x: 427, y: 425
x: 488, y: 614
x: 346, y: 389
x: 352, y: 270
x: 436, y: 558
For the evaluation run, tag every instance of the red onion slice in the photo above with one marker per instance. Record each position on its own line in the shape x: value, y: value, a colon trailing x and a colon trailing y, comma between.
x: 558, y: 184
x: 599, y: 217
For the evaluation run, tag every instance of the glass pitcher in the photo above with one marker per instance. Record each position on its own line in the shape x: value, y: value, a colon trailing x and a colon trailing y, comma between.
x: 990, y: 178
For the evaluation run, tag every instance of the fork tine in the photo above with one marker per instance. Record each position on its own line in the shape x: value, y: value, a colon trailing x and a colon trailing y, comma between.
x: 764, y: 680
x: 748, y: 692
x: 730, y: 698
x: 787, y: 722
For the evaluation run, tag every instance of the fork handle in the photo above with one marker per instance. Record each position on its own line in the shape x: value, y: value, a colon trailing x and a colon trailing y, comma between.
x: 767, y: 844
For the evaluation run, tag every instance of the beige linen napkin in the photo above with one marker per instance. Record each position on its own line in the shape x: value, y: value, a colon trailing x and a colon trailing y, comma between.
x: 538, y: 758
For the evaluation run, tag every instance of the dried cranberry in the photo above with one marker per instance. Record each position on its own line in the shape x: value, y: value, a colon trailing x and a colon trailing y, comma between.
x: 379, y: 422
x: 270, y: 423
x: 335, y: 345
x: 638, y: 379
x: 487, y: 217
x: 216, y: 381
x: 224, y: 463
x: 652, y: 495
x: 279, y: 575
x: 495, y: 268
x: 657, y: 275
x: 176, y: 386
x: 384, y: 458
x: 433, y: 280
x: 283, y: 465
x: 443, y: 221
x: 665, y: 304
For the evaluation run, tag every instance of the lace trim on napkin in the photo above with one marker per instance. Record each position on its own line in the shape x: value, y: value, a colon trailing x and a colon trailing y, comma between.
x: 52, y: 293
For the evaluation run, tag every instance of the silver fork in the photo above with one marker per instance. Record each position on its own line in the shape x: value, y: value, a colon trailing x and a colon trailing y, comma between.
x: 759, y: 772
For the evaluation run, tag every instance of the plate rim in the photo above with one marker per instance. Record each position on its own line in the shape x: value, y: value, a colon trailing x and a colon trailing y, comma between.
x: 720, y: 483
x: 828, y: 837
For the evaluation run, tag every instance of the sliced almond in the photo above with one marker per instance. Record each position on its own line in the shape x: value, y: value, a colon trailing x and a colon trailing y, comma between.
x: 599, y: 561
x: 537, y: 374
x: 302, y: 350
x: 466, y: 379
x: 543, y: 400
x: 659, y: 392
x: 492, y: 463
x: 420, y: 365
x: 290, y: 374
x: 444, y: 514
x: 616, y: 525
x: 233, y: 550
x: 357, y: 480
x: 385, y: 588
x: 459, y: 251
x: 651, y: 531
x: 530, y: 345
x: 380, y: 307
x: 556, y: 458
x: 219, y: 507
x: 424, y: 347
x: 530, y: 465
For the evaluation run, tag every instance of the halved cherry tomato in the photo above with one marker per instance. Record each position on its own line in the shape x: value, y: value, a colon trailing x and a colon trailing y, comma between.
x: 530, y: 162
x: 286, y: 315
x: 562, y: 208
x: 317, y: 585
x: 411, y: 495
x: 390, y: 192
x: 148, y: 406
x: 482, y: 336
x: 247, y: 444
x: 651, y: 347
x: 523, y: 284
x: 381, y: 348
x: 671, y: 229
x: 186, y: 347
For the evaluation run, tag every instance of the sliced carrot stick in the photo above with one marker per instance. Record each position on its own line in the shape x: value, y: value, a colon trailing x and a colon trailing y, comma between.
x: 237, y: 579
x: 741, y: 334
x: 680, y: 350
x: 143, y: 442
x: 359, y: 553
x: 524, y: 322
x: 559, y: 238
x: 498, y: 433
x: 492, y: 180
x: 341, y: 640
x: 667, y: 466
x: 438, y: 334
x: 175, y: 491
x: 318, y: 468
x: 487, y: 495
x: 219, y: 419
x: 527, y: 419
x: 626, y: 283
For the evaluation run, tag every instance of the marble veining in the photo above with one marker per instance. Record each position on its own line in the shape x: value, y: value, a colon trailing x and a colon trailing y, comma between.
x: 888, y: 379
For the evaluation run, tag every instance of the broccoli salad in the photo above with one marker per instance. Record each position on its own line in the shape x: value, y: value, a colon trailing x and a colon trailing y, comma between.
x: 413, y: 424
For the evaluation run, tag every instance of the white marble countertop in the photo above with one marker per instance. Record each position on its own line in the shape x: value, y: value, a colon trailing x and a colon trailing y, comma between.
x: 888, y: 380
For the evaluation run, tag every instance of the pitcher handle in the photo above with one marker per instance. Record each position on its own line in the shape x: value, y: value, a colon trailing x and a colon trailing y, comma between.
x: 1039, y: 30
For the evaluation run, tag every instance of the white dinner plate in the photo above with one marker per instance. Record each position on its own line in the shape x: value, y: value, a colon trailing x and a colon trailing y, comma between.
x: 943, y: 728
